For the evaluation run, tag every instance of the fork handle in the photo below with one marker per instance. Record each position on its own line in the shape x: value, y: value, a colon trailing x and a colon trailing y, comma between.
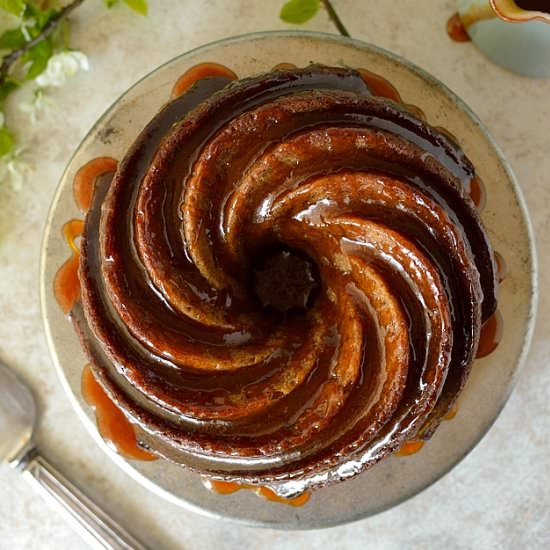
x: 98, y: 529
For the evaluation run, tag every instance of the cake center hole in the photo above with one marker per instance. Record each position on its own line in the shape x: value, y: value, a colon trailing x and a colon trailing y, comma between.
x: 285, y: 281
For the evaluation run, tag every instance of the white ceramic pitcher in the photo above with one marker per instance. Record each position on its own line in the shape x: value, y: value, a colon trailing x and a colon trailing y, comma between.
x: 510, y: 35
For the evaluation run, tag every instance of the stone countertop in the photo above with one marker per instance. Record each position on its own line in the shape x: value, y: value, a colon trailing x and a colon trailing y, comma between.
x: 497, y: 497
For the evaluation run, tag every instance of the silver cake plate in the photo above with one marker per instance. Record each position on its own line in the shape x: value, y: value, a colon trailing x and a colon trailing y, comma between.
x: 505, y: 216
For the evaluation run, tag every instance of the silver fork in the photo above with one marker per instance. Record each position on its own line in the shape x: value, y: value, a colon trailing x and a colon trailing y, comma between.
x: 17, y: 420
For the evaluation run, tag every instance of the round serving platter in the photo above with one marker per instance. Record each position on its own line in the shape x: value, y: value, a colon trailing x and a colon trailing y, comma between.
x: 398, y: 477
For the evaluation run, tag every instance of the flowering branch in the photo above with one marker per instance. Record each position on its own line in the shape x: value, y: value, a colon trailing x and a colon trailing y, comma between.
x: 335, y: 18
x: 38, y: 52
x: 9, y: 59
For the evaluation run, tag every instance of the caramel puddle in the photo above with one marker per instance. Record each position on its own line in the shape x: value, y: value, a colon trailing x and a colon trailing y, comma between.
x: 198, y: 72
x: 229, y: 487
x: 113, y: 426
x: 66, y: 285
x: 491, y: 335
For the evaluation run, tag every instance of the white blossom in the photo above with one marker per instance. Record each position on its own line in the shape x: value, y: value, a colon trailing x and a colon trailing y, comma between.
x: 14, y: 170
x: 61, y: 67
x: 39, y: 102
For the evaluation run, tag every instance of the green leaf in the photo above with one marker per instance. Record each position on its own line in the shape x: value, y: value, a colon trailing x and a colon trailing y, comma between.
x: 110, y: 3
x: 7, y: 88
x: 6, y: 141
x: 13, y: 6
x: 39, y: 56
x: 12, y: 39
x: 30, y: 11
x: 44, y: 17
x: 299, y: 11
x: 137, y: 5
x: 40, y: 17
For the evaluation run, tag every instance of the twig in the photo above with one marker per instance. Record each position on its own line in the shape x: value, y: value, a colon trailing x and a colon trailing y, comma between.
x: 334, y: 18
x: 9, y: 59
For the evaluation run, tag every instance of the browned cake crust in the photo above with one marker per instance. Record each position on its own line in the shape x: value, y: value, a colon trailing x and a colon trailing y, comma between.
x: 365, y: 205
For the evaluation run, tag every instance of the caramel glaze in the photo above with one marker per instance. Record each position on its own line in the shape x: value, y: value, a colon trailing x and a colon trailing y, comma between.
x: 66, y: 281
x: 113, y: 426
x: 200, y: 72
x: 309, y: 160
x: 502, y: 268
x: 379, y: 86
x: 410, y: 448
x: 283, y: 66
x: 66, y: 285
x: 415, y: 445
x: 86, y: 177
x: 491, y: 335
x: 230, y: 487
x: 477, y: 193
x: 456, y: 29
x: 451, y: 414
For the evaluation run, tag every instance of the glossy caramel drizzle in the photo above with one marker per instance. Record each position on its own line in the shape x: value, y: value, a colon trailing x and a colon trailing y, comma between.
x: 415, y: 111
x: 451, y: 414
x: 198, y: 72
x: 491, y: 335
x: 410, y: 448
x: 66, y: 282
x: 66, y: 285
x: 283, y: 66
x: 478, y: 194
x: 113, y: 426
x: 229, y: 487
x: 379, y: 85
x: 456, y: 30
x: 502, y: 267
x: 195, y: 395
x: 85, y: 178
x: 413, y: 446
x: 382, y: 87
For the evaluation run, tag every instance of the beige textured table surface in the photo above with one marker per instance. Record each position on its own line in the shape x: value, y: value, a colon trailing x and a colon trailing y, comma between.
x: 497, y: 497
